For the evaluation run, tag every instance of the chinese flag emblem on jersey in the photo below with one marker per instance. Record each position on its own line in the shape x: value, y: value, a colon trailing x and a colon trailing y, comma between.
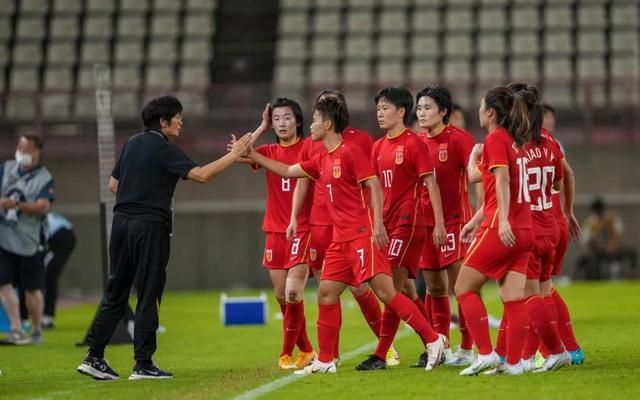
x: 268, y: 254
x: 442, y: 153
x: 312, y: 254
x: 337, y: 172
x: 399, y: 156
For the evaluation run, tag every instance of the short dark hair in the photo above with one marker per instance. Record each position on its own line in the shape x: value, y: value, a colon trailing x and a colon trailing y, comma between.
x: 335, y: 110
x: 37, y: 140
x: 332, y: 92
x: 158, y: 108
x: 297, y: 112
x: 399, y: 97
x: 441, y: 96
x: 547, y: 108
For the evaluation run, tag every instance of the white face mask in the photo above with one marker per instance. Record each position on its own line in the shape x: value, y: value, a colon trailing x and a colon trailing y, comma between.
x: 24, y: 159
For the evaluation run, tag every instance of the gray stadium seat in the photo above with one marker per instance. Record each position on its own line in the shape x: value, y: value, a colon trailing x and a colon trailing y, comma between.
x: 393, y: 22
x: 85, y: 77
x: 95, y: 51
x: 423, y: 71
x: 426, y: 19
x: 492, y: 44
x: 206, y: 5
x: 624, y: 41
x: 159, y: 77
x: 194, y: 75
x: 591, y: 68
x: 67, y: 6
x: 357, y: 72
x: 288, y: 4
x: 5, y: 27
x: 391, y: 46
x: 61, y: 52
x: 490, y: 69
x: 558, y: 16
x: 60, y: 78
x: 329, y: 4
x: 325, y: 48
x: 291, y: 48
x: 458, y: 44
x: 360, y: 21
x: 167, y: 5
x: 523, y: 69
x: 424, y: 45
x: 85, y: 105
x: 196, y: 50
x: 56, y: 106
x: 397, y: 3
x: 133, y: 5
x: 456, y: 70
x: 560, y: 95
x: 31, y: 27
x: 625, y: 67
x: 460, y: 19
x: 64, y: 27
x: 391, y: 72
x: 359, y: 47
x: 27, y: 52
x: 193, y: 103
x: 125, y: 105
x: 492, y: 19
x: 591, y: 94
x: 525, y: 17
x: 362, y: 3
x: 97, y: 26
x: 21, y: 108
x: 131, y: 25
x: 558, y: 42
x: 524, y: 43
x: 326, y: 21
x: 557, y: 68
x: 289, y: 74
x: 164, y: 25
x: 24, y: 78
x: 624, y: 14
x: 592, y: 42
x: 293, y: 23
x: 34, y: 6
x: 591, y: 16
x: 129, y: 51
x: 126, y: 76
x: 100, y: 6
x: 199, y: 24
x: 163, y: 51
x: 323, y: 73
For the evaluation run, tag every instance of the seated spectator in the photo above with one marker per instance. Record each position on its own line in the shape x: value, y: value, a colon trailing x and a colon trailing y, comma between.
x: 602, y: 236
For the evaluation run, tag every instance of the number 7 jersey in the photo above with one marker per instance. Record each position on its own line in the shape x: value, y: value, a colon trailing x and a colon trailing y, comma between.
x: 280, y: 190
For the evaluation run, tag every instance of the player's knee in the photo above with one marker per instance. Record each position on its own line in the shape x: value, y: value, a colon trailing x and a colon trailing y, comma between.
x: 293, y: 295
x: 437, y: 289
x: 281, y: 299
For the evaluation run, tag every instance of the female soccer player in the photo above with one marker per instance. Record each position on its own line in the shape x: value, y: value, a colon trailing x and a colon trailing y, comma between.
x: 355, y: 254
x: 322, y: 226
x: 449, y: 148
x: 402, y: 162
x: 286, y: 258
x: 502, y: 246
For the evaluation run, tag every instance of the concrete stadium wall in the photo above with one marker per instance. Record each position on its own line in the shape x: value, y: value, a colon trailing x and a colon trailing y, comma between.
x: 215, y: 248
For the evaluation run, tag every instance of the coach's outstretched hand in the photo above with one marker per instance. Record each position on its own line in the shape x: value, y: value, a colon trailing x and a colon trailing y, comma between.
x: 240, y: 147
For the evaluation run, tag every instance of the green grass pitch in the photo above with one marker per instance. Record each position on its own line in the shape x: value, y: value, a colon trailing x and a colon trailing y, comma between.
x: 211, y: 361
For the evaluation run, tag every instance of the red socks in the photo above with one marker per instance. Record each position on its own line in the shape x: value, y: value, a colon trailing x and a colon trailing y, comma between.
x: 408, y: 312
x: 475, y: 315
x: 303, y: 342
x: 531, y: 344
x: 428, y: 300
x: 329, y: 320
x: 370, y: 310
x: 501, y: 342
x: 517, y: 327
x: 542, y: 321
x: 336, y: 351
x: 441, y: 314
x: 293, y: 320
x: 466, y: 342
x: 388, y: 330
x: 423, y: 309
x: 564, y: 322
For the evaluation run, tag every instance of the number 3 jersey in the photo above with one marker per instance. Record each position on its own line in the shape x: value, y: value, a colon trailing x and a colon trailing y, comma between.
x: 500, y: 150
x: 280, y: 190
x: 341, y: 171
x: 401, y: 162
x: 544, y: 167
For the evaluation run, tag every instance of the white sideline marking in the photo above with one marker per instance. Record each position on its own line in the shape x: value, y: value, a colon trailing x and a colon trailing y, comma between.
x: 284, y: 381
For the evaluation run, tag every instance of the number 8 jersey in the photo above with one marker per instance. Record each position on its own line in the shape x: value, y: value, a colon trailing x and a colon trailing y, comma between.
x: 280, y: 190
x: 544, y: 167
x: 500, y: 150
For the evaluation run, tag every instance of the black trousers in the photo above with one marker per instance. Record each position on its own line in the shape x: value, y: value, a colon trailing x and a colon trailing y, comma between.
x: 61, y: 245
x: 139, y: 253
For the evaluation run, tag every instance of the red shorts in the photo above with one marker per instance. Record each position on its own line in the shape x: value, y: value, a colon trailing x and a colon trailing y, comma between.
x: 488, y: 255
x: 561, y: 249
x: 541, y: 261
x: 279, y: 253
x: 320, y: 240
x: 405, y: 248
x: 453, y: 249
x: 354, y: 262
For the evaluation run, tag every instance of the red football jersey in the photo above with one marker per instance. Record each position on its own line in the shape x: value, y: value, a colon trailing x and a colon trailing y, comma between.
x: 544, y: 167
x: 400, y: 163
x: 341, y: 173
x: 280, y: 190
x: 450, y: 150
x: 501, y: 151
x: 319, y: 211
x: 556, y: 197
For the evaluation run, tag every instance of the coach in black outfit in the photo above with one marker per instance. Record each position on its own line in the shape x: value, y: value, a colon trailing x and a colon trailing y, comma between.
x: 144, y: 180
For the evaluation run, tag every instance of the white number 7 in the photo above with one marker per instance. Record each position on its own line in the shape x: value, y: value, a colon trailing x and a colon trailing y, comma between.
x: 330, y: 192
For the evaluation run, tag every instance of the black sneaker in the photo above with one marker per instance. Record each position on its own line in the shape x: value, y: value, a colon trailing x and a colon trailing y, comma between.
x: 373, y: 363
x: 97, y: 368
x: 422, y: 361
x: 149, y: 372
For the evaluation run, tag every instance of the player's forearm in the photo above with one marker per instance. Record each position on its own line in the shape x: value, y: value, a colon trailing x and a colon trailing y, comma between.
x: 299, y: 194
x: 376, y: 198
x: 472, y: 169
x: 478, y: 216
x: 479, y: 189
x: 113, y: 185
x: 277, y: 167
x: 502, y: 193
x: 569, y: 187
x: 205, y: 173
x: 39, y: 207
x: 436, y: 199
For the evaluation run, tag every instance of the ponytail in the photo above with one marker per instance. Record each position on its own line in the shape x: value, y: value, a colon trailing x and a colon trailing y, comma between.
x: 527, y: 96
x: 520, y: 126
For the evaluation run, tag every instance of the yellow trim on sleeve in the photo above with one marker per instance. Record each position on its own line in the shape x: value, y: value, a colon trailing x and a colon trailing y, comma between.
x: 498, y: 166
x: 306, y: 173
x: 425, y: 173
x: 367, y: 178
